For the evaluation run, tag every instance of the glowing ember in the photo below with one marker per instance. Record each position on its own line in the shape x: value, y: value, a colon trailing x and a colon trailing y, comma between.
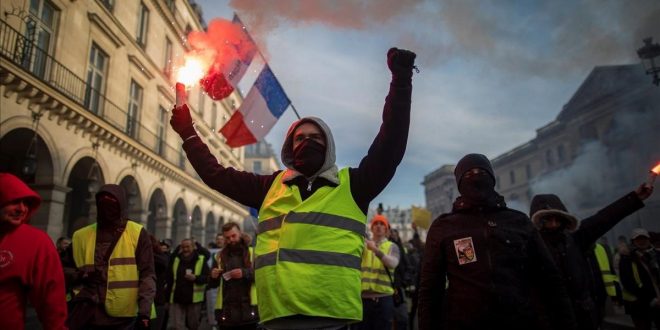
x: 192, y: 71
x: 656, y: 169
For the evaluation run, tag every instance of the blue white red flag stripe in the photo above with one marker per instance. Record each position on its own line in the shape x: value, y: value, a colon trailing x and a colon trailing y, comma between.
x: 260, y: 110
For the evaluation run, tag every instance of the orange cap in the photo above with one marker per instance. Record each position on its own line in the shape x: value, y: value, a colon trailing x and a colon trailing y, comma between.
x: 380, y: 218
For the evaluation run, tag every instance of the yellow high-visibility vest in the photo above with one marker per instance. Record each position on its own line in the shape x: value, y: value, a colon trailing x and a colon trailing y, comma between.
x: 374, y: 275
x: 198, y: 289
x: 609, y: 278
x: 253, y: 288
x: 122, y: 286
x: 308, y: 253
x: 627, y: 295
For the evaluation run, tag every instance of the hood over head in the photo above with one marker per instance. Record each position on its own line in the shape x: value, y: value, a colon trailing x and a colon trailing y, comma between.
x: 12, y: 189
x: 328, y: 170
x: 106, y: 215
x: 550, y: 204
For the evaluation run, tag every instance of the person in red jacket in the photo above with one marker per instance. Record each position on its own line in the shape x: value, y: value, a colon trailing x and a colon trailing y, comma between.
x: 30, y: 266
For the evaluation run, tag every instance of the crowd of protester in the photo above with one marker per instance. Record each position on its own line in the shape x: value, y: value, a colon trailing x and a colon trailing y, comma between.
x: 318, y: 263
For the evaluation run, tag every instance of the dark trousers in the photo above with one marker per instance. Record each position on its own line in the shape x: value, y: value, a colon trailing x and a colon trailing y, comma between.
x: 377, y: 314
x: 161, y: 318
x: 401, y: 316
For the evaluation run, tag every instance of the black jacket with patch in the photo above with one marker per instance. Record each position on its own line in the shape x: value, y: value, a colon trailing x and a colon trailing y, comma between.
x: 493, y: 289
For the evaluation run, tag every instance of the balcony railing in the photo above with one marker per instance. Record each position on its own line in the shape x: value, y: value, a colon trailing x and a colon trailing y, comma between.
x: 16, y: 48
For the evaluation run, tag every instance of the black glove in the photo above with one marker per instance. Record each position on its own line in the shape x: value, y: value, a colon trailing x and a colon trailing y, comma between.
x: 401, y: 63
x: 142, y: 322
x: 181, y: 122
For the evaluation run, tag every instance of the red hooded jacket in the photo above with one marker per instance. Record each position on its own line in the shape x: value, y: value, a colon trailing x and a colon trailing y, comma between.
x: 30, y: 266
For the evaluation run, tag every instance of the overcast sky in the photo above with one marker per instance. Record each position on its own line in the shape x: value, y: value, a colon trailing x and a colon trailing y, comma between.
x: 492, y: 72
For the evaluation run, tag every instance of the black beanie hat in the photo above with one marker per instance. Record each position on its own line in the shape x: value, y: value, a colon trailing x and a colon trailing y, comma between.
x: 471, y: 161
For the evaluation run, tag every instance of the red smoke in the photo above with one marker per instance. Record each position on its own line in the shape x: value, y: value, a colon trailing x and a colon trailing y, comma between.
x: 221, y: 45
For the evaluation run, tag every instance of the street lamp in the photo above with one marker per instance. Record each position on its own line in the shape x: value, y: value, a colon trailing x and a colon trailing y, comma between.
x: 647, y: 54
x: 93, y: 175
x: 29, y: 166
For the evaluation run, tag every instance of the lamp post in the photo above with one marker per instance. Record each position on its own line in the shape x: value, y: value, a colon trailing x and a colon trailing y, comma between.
x: 93, y: 175
x: 647, y: 54
x: 29, y: 166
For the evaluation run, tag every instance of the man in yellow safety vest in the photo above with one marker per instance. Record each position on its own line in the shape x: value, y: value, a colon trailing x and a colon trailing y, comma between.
x: 232, y: 273
x: 186, y: 283
x: 113, y: 261
x: 379, y: 260
x: 312, y: 215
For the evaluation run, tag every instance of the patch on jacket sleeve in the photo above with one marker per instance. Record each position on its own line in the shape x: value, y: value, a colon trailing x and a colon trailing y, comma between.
x: 465, y: 250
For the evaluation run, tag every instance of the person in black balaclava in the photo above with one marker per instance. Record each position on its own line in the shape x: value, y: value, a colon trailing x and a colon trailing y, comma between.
x: 325, y: 209
x: 112, y: 261
x: 483, y: 261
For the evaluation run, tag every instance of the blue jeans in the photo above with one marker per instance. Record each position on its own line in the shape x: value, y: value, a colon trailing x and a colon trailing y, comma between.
x: 377, y: 314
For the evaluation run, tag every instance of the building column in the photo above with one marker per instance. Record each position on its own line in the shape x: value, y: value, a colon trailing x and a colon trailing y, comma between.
x: 50, y: 216
x: 163, y: 227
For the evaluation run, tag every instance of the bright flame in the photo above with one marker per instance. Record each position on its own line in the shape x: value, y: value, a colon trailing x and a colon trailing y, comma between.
x: 193, y: 69
x: 656, y: 169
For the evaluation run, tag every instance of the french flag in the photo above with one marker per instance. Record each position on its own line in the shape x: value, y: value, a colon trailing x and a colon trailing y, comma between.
x: 246, y: 51
x: 260, y: 110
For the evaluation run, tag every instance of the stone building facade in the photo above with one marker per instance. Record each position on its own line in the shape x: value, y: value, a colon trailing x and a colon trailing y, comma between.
x: 600, y: 147
x: 86, y: 89
x: 440, y: 190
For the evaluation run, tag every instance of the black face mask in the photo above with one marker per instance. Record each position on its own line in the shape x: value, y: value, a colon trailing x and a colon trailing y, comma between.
x: 108, y: 210
x: 308, y: 157
x: 478, y: 188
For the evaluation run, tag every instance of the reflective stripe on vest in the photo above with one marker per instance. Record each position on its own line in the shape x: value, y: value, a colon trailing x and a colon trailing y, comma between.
x: 374, y: 276
x: 308, y: 253
x: 253, y: 288
x: 609, y: 278
x: 198, y: 289
x: 153, y: 314
x: 627, y: 295
x: 122, y: 287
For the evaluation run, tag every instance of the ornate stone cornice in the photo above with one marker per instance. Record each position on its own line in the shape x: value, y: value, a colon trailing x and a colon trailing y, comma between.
x: 61, y: 108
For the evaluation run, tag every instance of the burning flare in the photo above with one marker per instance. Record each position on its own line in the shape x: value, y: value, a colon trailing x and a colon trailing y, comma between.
x: 654, y: 172
x: 656, y: 169
x: 193, y: 69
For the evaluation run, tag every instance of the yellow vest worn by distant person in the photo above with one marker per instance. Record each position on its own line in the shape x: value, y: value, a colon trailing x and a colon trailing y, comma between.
x: 198, y: 289
x: 121, y: 298
x: 253, y: 288
x: 374, y: 275
x: 609, y: 278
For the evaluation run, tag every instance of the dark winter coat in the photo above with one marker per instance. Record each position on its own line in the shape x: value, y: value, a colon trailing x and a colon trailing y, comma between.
x: 570, y: 252
x: 492, y: 288
x: 183, y: 291
x: 236, y: 304
x: 647, y: 269
x: 161, y: 264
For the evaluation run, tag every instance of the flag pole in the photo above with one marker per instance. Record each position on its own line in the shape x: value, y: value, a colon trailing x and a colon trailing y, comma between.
x: 293, y: 107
